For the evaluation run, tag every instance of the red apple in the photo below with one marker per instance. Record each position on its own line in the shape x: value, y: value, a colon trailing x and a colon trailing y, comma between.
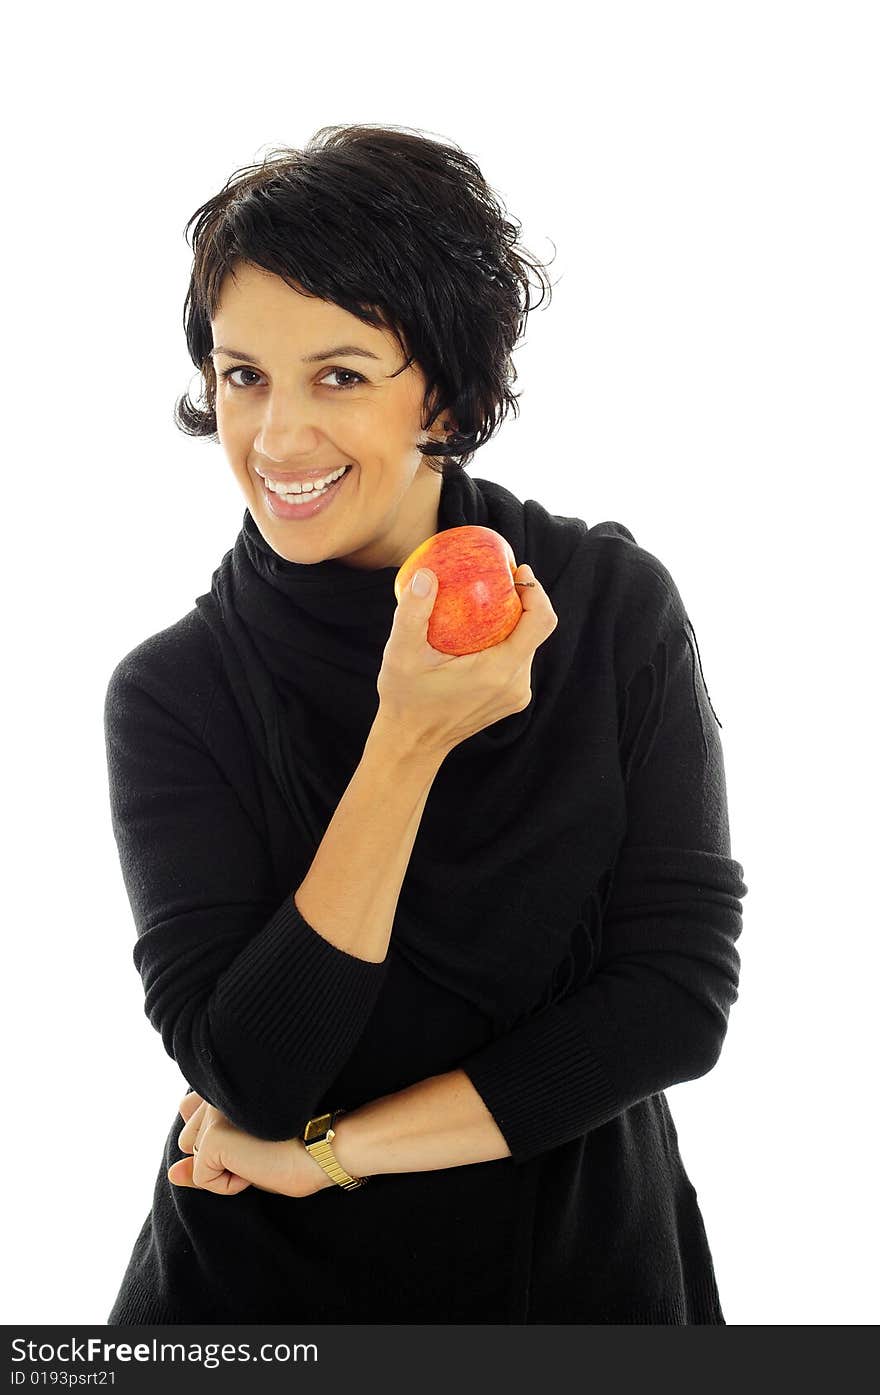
x: 477, y: 603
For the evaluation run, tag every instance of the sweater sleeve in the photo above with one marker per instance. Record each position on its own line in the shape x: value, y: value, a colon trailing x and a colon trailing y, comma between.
x: 259, y: 1011
x: 654, y: 1008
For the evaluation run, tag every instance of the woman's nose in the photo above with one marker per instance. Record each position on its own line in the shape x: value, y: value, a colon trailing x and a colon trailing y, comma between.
x: 287, y: 436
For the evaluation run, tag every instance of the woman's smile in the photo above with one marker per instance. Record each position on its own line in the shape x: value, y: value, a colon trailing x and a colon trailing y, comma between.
x: 305, y: 505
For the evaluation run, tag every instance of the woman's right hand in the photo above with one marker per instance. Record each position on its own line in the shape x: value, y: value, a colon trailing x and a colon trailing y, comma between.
x: 435, y: 701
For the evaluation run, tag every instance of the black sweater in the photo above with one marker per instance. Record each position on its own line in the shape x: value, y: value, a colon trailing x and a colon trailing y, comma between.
x: 593, y: 1217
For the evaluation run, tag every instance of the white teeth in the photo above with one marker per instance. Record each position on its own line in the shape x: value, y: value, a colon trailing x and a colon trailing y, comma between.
x: 307, y: 487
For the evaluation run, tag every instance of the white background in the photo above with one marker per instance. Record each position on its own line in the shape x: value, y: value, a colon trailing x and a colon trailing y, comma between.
x: 706, y: 374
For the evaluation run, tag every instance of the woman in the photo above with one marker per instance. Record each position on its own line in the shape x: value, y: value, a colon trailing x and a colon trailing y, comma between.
x: 428, y: 936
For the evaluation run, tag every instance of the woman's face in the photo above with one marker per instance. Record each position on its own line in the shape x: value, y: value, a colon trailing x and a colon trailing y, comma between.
x: 288, y: 408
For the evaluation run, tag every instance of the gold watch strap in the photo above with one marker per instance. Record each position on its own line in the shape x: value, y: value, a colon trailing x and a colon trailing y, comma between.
x: 317, y: 1137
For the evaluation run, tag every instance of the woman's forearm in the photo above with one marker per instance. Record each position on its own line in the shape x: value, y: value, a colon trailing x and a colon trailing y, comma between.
x: 350, y: 893
x: 438, y: 1122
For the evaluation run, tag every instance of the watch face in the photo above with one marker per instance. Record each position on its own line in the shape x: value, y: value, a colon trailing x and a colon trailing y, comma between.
x: 316, y: 1128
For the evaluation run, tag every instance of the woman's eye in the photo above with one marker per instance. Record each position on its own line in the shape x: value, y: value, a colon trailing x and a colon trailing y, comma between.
x: 340, y: 387
x: 228, y: 372
x: 346, y: 373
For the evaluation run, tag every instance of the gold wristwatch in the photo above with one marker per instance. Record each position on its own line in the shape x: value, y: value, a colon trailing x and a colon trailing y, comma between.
x: 317, y: 1136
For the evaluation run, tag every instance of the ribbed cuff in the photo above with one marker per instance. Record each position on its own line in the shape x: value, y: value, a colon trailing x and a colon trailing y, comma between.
x: 542, y: 1084
x: 290, y: 985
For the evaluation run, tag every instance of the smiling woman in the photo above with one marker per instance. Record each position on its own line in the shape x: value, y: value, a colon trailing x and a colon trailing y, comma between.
x: 388, y: 307
x: 451, y: 924
x: 345, y: 458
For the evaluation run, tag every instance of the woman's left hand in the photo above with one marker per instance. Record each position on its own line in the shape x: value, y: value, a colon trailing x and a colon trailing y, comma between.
x: 226, y: 1160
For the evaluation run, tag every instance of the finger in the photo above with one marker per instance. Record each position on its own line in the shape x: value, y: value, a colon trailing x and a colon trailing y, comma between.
x: 207, y: 1178
x: 182, y: 1174
x: 188, y: 1138
x: 190, y: 1103
x: 191, y: 1135
x: 524, y: 576
x: 528, y: 588
x: 538, y: 620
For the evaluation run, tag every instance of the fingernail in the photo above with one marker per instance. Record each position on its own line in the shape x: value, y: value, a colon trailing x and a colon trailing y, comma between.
x: 421, y: 584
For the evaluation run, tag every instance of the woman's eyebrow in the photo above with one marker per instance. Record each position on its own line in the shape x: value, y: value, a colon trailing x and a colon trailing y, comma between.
x: 339, y: 351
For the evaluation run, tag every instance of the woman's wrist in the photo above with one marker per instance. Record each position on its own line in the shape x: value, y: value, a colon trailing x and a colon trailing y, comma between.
x: 436, y: 1123
x: 322, y: 1178
x: 350, y: 1144
x: 304, y: 1159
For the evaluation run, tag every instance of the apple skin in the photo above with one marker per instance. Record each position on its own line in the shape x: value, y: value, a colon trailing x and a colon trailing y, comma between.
x: 476, y: 604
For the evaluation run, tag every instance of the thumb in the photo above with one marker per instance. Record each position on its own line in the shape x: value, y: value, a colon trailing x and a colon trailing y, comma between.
x: 412, y: 615
x: 418, y: 594
x: 181, y: 1172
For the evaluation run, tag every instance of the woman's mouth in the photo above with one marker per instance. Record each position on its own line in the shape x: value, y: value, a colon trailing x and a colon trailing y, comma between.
x: 296, y: 506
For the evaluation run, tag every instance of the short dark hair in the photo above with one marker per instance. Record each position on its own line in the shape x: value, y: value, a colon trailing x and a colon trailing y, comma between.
x: 401, y: 231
